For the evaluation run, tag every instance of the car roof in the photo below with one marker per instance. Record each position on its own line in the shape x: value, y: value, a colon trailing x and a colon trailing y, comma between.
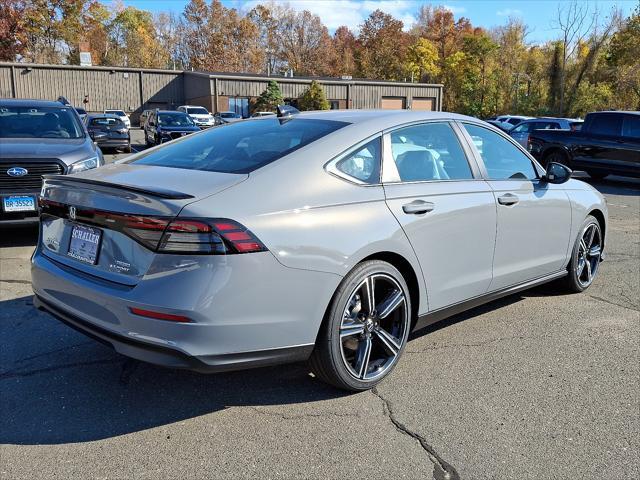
x: 627, y: 112
x: 383, y: 118
x: 170, y: 111
x: 20, y: 102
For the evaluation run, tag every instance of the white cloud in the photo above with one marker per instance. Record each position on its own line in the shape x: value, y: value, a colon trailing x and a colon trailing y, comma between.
x: 454, y: 9
x: 509, y: 12
x: 352, y: 13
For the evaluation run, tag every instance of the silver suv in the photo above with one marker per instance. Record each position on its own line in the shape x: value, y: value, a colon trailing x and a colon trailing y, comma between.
x: 38, y: 137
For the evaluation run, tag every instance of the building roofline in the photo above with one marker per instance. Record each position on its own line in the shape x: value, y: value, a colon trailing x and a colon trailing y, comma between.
x: 227, y: 75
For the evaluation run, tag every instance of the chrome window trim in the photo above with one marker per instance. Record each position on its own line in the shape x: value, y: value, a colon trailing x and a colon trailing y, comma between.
x: 331, y: 168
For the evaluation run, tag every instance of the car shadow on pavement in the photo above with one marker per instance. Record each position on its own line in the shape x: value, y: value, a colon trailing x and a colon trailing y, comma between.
x: 622, y: 186
x: 19, y: 236
x: 58, y: 386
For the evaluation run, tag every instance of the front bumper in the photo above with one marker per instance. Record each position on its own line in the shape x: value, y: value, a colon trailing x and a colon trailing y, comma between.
x: 247, y: 310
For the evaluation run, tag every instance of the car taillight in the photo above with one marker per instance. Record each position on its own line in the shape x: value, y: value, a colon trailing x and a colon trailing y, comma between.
x: 214, y: 237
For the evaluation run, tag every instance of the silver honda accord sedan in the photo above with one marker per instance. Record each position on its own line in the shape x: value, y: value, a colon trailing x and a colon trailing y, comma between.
x: 322, y: 236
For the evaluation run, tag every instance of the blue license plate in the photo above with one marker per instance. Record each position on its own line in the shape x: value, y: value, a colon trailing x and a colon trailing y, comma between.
x: 19, y: 203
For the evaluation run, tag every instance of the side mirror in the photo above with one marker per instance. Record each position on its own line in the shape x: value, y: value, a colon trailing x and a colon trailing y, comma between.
x: 557, y: 173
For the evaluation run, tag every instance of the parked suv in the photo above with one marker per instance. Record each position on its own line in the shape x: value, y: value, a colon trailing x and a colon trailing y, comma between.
x: 38, y: 137
x: 166, y: 125
x: 108, y: 131
x: 521, y: 132
x: 200, y: 115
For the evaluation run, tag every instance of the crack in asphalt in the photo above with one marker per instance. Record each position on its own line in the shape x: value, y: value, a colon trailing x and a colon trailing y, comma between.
x: 29, y: 373
x: 284, y: 416
x: 442, y: 470
x: 613, y: 303
x: 21, y: 282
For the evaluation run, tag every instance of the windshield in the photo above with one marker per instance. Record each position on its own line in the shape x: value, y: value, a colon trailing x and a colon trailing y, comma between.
x: 120, y: 113
x: 176, y: 119
x: 197, y: 111
x: 240, y: 147
x: 39, y: 122
x: 229, y: 115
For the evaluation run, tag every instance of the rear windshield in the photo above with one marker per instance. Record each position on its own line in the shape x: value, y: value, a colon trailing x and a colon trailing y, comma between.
x: 39, y: 122
x: 120, y: 113
x: 176, y: 119
x: 240, y: 147
x: 197, y: 111
x: 81, y: 111
x: 229, y: 115
x: 107, y: 122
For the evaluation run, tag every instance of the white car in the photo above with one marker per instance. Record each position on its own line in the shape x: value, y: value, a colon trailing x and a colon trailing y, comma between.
x: 121, y: 115
x: 512, y: 119
x: 200, y: 115
x: 262, y: 114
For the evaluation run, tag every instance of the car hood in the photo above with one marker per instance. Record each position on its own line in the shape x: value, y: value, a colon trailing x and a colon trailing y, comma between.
x: 67, y: 150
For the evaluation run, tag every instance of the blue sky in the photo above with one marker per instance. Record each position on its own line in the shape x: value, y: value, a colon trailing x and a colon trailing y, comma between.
x: 538, y: 14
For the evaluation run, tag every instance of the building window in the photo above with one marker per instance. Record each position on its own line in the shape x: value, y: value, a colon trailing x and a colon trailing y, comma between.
x: 335, y: 104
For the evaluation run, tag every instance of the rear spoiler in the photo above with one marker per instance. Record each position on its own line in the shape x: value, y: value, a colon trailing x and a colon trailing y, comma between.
x: 153, y: 191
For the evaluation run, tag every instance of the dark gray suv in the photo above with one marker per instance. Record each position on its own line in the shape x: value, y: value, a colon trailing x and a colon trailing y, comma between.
x: 38, y: 137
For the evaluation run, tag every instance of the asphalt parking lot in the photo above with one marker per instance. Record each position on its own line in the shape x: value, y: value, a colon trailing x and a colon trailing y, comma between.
x: 534, y: 386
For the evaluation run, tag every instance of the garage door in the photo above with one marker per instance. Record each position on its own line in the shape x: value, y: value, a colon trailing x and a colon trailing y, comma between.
x: 428, y: 104
x: 392, y: 103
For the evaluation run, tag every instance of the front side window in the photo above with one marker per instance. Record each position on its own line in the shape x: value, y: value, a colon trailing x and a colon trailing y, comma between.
x: 502, y: 159
x: 240, y: 147
x: 430, y: 151
x: 364, y: 163
x: 39, y: 122
x: 606, y: 124
x: 631, y: 126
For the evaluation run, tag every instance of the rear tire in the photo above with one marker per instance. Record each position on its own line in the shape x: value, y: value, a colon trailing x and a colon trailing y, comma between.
x: 127, y: 149
x: 585, y: 257
x: 359, y: 345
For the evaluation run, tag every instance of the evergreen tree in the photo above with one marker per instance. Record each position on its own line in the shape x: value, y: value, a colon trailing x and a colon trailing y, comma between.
x: 269, y: 99
x: 314, y: 98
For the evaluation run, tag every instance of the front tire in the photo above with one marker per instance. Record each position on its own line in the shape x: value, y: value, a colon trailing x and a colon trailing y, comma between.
x: 585, y: 257
x: 556, y: 156
x: 366, y: 328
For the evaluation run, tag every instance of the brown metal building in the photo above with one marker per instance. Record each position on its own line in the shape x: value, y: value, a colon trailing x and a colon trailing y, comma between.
x: 134, y: 90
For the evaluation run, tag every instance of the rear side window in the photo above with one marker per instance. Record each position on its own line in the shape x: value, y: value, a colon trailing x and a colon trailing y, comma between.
x: 502, y: 159
x: 430, y: 151
x: 240, y: 147
x: 364, y: 163
x: 606, y: 124
x: 631, y: 126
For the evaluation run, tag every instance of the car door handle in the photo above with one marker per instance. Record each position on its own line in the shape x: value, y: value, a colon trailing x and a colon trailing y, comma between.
x: 508, y: 199
x: 418, y: 207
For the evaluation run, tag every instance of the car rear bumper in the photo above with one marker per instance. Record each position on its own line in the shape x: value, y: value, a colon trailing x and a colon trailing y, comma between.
x: 172, y: 358
x: 114, y: 143
x: 247, y: 310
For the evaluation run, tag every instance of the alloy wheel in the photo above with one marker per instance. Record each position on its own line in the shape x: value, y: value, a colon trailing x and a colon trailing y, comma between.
x: 589, y: 251
x: 374, y: 327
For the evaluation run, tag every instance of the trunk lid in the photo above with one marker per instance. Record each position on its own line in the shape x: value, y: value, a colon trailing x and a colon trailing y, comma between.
x: 77, y: 207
